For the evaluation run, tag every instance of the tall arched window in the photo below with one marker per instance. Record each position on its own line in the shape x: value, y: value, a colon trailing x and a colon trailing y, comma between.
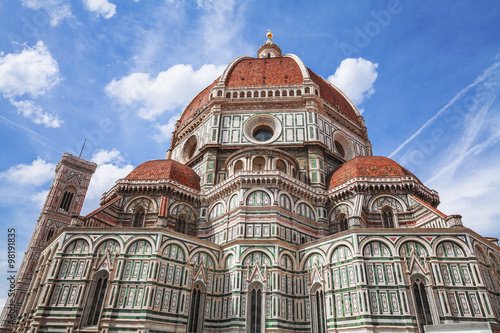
x: 66, y: 200
x: 318, y: 308
x: 195, y: 323
x: 138, y: 220
x: 255, y: 309
x: 50, y: 234
x: 388, y: 218
x: 343, y: 225
x: 423, y: 310
x: 182, y: 224
x: 100, y: 286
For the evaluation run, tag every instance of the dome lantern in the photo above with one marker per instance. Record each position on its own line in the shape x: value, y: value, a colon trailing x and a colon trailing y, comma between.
x: 269, y: 49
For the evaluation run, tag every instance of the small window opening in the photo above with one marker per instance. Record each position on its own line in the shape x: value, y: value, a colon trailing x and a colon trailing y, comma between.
x: 66, y: 201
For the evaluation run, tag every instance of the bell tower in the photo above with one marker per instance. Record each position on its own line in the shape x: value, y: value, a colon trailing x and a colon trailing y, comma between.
x: 65, y: 200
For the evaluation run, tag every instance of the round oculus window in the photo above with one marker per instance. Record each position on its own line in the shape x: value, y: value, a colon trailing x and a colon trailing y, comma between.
x: 261, y: 129
x: 263, y: 133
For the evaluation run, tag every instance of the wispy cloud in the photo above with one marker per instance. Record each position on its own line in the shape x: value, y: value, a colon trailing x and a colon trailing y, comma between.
x: 57, y: 10
x: 487, y: 74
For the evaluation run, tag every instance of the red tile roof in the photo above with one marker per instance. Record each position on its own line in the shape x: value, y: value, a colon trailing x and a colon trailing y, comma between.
x: 333, y: 96
x: 271, y: 72
x: 264, y: 72
x: 367, y: 166
x: 197, y: 102
x: 166, y: 169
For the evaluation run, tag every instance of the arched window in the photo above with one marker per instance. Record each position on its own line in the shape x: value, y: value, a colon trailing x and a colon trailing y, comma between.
x: 269, y: 93
x: 255, y: 94
x: 228, y: 95
x: 277, y: 93
x: 292, y: 93
x: 182, y: 224
x: 343, y: 225
x: 259, y: 163
x: 423, y: 310
x: 284, y: 93
x: 242, y: 94
x: 307, y: 90
x: 219, y: 93
x: 50, y: 234
x: 318, y: 309
x: 66, y: 200
x: 255, y: 309
x: 388, y: 218
x: 235, y: 94
x: 249, y: 94
x: 281, y: 166
x: 138, y: 221
x: 100, y: 286
x: 195, y: 323
x: 262, y: 94
x: 238, y: 166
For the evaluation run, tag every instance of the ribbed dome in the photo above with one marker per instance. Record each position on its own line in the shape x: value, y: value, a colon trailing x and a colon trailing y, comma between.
x: 279, y: 71
x: 166, y: 169
x: 369, y: 167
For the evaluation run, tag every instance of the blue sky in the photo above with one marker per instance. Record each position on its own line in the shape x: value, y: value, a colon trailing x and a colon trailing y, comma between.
x: 425, y: 73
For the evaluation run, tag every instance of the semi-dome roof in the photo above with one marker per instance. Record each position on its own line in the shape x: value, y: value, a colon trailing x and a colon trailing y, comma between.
x: 280, y: 71
x: 166, y: 169
x: 369, y: 167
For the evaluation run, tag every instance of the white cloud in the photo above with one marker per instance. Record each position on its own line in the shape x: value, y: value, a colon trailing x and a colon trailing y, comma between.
x: 37, y: 173
x: 57, y: 10
x: 169, y: 90
x: 33, y: 71
x: 105, y: 156
x: 221, y: 27
x: 39, y: 198
x: 164, y: 132
x: 111, y: 167
x: 35, y: 112
x: 101, y: 7
x: 355, y: 77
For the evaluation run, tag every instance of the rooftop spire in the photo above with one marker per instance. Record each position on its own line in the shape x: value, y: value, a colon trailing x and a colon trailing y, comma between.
x: 269, y: 49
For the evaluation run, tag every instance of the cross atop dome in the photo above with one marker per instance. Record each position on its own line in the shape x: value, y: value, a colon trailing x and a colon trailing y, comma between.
x: 269, y: 49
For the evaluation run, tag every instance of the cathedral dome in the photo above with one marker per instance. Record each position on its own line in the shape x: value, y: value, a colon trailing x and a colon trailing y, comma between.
x: 281, y: 73
x: 369, y: 167
x: 166, y: 169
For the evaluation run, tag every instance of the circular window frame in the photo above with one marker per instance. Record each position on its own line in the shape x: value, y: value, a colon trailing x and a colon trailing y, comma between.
x: 346, y: 145
x: 189, y: 148
x: 261, y: 121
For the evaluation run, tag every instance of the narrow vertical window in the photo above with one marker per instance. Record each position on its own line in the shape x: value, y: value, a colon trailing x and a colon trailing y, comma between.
x: 100, y: 287
x: 139, y: 219
x: 422, y: 303
x: 195, y: 323
x: 256, y: 310
x: 388, y: 219
x: 319, y: 318
x: 66, y: 201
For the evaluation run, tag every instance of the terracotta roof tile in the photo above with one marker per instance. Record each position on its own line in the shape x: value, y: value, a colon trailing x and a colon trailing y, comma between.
x: 197, y: 102
x: 264, y: 72
x: 333, y: 96
x: 367, y: 166
x: 166, y: 169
